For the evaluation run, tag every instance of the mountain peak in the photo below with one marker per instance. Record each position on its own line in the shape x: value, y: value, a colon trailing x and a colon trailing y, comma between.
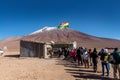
x: 46, y: 28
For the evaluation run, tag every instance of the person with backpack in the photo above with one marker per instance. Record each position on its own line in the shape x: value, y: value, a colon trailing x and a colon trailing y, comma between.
x: 116, y: 64
x: 86, y: 58
x: 104, y: 61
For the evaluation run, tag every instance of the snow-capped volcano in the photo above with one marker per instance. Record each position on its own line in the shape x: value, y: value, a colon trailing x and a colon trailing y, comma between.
x: 56, y: 35
x: 44, y: 29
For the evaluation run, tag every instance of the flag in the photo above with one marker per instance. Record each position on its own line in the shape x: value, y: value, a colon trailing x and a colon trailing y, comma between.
x: 64, y: 25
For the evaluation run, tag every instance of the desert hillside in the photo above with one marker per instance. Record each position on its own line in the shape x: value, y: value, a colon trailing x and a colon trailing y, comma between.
x: 59, y: 35
x: 70, y: 35
x: 11, y: 44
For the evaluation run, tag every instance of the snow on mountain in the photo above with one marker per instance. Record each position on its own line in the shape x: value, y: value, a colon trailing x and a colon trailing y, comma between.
x: 43, y: 29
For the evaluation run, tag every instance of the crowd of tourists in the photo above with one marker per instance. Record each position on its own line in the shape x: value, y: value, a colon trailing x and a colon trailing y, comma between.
x: 90, y: 57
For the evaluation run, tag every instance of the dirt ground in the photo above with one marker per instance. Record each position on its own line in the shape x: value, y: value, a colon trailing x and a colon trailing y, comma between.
x: 14, y: 68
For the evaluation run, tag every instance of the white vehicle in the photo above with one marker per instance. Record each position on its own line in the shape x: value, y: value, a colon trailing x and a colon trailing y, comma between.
x: 1, y: 51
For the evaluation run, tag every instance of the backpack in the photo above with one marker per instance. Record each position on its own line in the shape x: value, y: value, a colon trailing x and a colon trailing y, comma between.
x: 106, y: 58
x: 85, y: 55
x: 117, y: 57
x: 111, y: 59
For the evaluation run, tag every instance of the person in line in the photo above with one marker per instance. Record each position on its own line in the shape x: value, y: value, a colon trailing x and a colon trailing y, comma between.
x: 116, y: 64
x: 73, y: 54
x: 94, y: 56
x: 60, y: 52
x: 104, y: 61
x: 51, y: 53
x: 81, y: 55
x: 78, y: 55
x: 90, y: 53
x: 65, y: 53
x: 86, y: 58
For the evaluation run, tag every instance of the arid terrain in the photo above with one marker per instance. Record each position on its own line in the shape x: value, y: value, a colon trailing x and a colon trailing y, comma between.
x: 14, y: 68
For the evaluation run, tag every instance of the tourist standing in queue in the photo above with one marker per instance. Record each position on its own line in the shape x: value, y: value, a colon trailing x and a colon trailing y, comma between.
x: 81, y: 55
x: 65, y: 53
x: 78, y: 55
x: 86, y: 58
x: 116, y: 64
x: 60, y: 52
x: 90, y: 53
x: 73, y: 54
x: 94, y: 56
x: 104, y: 61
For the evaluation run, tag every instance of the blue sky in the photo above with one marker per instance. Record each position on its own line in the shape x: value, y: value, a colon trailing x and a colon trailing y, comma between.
x: 99, y: 18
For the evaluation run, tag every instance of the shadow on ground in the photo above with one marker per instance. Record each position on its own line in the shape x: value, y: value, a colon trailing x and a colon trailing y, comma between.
x: 87, y: 74
x: 80, y: 73
x: 14, y: 56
